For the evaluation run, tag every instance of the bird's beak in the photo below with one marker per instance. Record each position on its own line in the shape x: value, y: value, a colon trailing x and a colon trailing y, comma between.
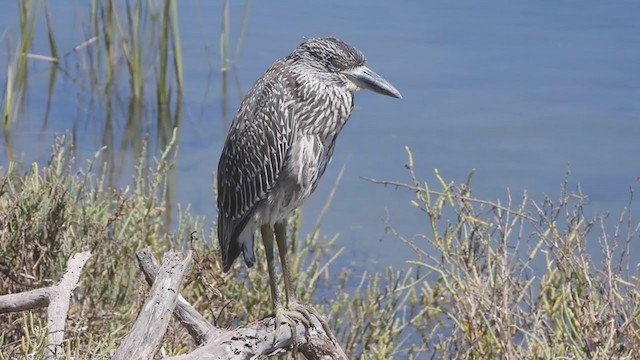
x: 365, y: 78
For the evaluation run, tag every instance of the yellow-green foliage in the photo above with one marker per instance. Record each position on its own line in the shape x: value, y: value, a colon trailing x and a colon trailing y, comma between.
x: 516, y: 281
x: 48, y: 214
x: 489, y: 280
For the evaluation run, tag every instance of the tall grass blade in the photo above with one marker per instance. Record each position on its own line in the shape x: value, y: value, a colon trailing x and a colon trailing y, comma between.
x: 163, y: 44
x: 177, y: 48
x: 243, y: 28
x: 8, y: 105
x: 224, y: 36
x: 53, y: 72
x: 134, y: 53
x: 50, y: 34
x: 224, y: 60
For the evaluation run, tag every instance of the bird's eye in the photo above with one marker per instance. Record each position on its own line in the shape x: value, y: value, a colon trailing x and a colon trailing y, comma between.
x: 336, y: 64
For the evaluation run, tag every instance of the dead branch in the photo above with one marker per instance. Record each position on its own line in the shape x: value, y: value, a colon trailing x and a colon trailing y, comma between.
x: 197, y: 326
x: 55, y: 297
x: 145, y: 338
x: 258, y: 339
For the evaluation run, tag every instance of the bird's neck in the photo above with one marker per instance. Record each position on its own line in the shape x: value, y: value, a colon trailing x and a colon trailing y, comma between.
x: 322, y: 107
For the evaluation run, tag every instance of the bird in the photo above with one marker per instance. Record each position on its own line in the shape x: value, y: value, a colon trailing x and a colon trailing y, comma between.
x: 277, y: 148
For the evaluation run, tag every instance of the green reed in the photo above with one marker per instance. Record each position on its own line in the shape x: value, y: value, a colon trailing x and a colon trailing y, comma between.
x: 227, y: 64
x: 15, y: 85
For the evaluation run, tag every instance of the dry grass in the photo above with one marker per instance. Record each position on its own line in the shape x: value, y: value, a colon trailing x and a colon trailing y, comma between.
x: 524, y: 279
x: 47, y: 214
x: 491, y: 280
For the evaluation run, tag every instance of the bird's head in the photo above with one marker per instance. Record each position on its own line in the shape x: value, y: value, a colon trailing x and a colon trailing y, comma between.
x: 335, y: 59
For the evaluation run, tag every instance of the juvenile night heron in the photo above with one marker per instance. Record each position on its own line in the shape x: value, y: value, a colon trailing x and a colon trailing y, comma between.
x: 278, y: 147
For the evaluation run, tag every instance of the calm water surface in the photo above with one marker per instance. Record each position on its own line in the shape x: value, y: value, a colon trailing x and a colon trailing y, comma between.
x: 519, y: 91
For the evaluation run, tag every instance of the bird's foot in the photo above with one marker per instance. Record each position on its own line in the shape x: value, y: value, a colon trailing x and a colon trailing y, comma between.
x: 290, y: 318
x: 308, y: 312
x: 303, y: 314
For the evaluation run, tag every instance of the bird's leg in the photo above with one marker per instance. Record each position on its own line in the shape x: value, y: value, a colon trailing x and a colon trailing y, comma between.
x: 281, y: 239
x: 267, y: 240
x: 282, y: 315
x: 291, y: 303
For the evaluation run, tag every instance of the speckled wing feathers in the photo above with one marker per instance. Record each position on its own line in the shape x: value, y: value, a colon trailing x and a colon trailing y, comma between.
x: 253, y: 155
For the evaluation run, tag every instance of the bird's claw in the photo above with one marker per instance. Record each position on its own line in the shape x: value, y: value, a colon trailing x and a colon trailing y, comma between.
x: 290, y: 317
x: 308, y: 312
x: 303, y: 314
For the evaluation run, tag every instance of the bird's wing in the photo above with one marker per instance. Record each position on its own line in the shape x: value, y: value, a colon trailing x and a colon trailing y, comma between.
x: 253, y: 155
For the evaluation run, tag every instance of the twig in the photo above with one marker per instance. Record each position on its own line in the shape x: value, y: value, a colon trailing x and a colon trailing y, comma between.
x: 398, y: 184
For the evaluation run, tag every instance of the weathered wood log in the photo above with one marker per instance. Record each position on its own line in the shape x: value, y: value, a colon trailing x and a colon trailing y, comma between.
x: 56, y: 298
x: 197, y: 326
x: 258, y: 339
x: 255, y: 340
x: 145, y: 337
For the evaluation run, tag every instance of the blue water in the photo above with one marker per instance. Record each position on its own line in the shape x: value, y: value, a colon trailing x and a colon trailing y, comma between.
x: 519, y: 91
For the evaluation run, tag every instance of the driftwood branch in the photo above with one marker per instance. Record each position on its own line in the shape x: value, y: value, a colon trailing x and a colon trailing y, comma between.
x: 197, y: 326
x: 145, y: 338
x: 56, y: 298
x: 258, y: 339
x: 255, y: 340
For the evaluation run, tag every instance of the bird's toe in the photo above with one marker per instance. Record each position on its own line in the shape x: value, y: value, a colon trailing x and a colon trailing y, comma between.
x: 308, y: 312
